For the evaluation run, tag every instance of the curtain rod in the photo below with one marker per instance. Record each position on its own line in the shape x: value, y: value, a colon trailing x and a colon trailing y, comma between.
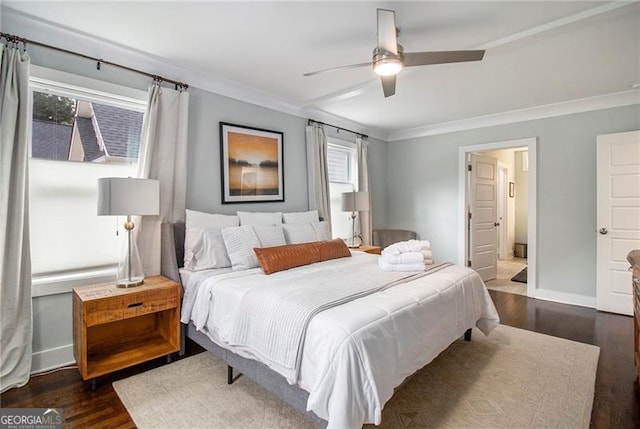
x: 16, y: 39
x: 337, y: 128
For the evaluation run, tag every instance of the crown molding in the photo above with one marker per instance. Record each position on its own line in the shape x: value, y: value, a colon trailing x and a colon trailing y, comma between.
x: 25, y: 25
x: 599, y: 102
x: 31, y: 27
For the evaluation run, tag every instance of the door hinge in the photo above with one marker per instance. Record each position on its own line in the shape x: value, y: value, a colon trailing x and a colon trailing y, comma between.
x: 469, y: 264
x: 470, y: 215
x: 469, y: 168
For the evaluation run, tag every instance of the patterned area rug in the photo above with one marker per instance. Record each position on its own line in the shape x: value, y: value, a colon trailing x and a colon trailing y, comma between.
x: 511, y: 379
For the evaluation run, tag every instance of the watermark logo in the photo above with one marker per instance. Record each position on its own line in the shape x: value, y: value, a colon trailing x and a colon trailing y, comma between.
x: 30, y: 418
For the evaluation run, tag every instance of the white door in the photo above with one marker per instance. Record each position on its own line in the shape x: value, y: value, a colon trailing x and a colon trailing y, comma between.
x: 483, y: 234
x: 618, y: 218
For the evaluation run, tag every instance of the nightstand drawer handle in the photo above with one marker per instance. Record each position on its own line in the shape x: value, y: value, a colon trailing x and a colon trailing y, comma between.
x: 135, y: 304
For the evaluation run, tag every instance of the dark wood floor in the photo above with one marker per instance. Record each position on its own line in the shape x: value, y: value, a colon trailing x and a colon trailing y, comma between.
x: 617, y: 396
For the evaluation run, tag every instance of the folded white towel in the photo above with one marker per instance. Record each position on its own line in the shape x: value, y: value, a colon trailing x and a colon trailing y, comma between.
x: 402, y: 247
x: 404, y: 258
x: 406, y: 247
x: 426, y: 254
x: 428, y: 261
x: 424, y: 244
x: 400, y: 267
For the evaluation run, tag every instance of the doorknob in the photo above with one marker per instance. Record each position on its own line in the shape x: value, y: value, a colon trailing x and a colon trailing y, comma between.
x: 496, y: 224
x: 603, y: 231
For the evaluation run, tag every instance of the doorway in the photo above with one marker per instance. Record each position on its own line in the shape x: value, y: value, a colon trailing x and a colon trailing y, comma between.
x: 515, y: 224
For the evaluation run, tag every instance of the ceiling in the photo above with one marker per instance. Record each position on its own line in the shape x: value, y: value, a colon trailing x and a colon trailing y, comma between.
x: 538, y: 52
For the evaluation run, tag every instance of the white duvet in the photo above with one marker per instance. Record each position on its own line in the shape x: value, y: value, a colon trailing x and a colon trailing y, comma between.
x: 357, y: 353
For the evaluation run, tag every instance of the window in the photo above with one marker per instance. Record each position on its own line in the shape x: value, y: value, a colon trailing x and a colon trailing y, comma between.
x: 78, y: 134
x: 74, y: 129
x: 342, y: 165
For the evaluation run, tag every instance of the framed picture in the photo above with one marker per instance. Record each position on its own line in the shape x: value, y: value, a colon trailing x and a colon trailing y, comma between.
x: 512, y: 192
x: 252, y: 165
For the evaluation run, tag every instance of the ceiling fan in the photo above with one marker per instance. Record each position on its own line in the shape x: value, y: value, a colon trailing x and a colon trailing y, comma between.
x: 389, y: 57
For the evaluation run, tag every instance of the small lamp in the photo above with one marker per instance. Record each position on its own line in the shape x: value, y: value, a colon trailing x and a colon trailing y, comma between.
x: 120, y: 196
x: 354, y: 202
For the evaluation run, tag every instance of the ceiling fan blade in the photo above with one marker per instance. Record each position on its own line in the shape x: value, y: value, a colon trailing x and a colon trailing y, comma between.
x: 387, y: 35
x: 388, y: 85
x: 440, y: 57
x: 352, y: 66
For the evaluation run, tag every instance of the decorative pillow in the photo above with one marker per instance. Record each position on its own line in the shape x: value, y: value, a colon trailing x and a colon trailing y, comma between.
x: 208, y: 251
x: 299, y: 233
x: 322, y: 230
x: 241, y: 240
x: 301, y: 217
x: 305, y: 233
x: 280, y: 258
x: 257, y: 218
x: 270, y: 235
x: 203, y: 245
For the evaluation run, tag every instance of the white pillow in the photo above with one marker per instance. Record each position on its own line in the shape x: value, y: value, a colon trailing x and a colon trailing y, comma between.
x: 322, y: 230
x: 203, y: 244
x: 196, y: 219
x: 269, y: 235
x: 257, y: 218
x: 208, y: 251
x: 301, y: 217
x: 241, y: 240
x: 306, y: 233
x: 299, y: 233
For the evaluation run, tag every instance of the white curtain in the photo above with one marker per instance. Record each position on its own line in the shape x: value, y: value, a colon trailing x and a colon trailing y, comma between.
x: 15, y: 264
x: 163, y: 156
x: 363, y: 185
x: 318, y: 172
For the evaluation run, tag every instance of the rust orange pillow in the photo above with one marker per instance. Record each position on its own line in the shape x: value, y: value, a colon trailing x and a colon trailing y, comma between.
x: 280, y: 258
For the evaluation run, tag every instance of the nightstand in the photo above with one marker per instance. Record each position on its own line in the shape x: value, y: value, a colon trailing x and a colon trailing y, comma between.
x: 114, y: 328
x: 374, y: 250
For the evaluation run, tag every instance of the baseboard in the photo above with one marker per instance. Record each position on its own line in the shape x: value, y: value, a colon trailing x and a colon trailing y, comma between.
x: 57, y: 357
x: 566, y: 298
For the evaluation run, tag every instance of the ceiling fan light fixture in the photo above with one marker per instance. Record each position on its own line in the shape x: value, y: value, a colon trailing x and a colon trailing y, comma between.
x: 387, y: 67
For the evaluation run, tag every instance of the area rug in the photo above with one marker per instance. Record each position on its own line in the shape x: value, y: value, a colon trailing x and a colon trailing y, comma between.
x: 511, y: 379
x: 521, y: 277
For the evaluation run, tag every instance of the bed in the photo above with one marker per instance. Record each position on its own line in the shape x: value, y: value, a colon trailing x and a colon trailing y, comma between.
x: 352, y: 356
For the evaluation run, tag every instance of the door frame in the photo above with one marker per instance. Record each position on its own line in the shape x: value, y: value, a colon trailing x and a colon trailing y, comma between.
x: 463, y: 203
x: 503, y: 230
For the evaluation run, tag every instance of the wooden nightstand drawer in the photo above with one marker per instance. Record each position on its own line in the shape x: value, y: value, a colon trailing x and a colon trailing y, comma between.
x: 131, y: 305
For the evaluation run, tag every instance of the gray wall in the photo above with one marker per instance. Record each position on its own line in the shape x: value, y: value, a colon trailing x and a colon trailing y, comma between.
x: 206, y: 110
x: 423, y: 173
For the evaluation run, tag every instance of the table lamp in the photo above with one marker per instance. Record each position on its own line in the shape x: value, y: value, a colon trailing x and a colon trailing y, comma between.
x: 120, y: 196
x: 354, y: 202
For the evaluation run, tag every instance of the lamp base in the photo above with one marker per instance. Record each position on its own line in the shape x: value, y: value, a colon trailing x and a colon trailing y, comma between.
x: 124, y: 283
x: 130, y: 272
x: 353, y: 243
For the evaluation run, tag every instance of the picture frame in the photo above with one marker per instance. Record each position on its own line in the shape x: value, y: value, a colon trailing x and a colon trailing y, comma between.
x: 252, y: 164
x: 512, y: 189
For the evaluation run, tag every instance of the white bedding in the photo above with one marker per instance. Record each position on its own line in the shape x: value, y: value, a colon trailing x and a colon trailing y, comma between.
x: 357, y: 353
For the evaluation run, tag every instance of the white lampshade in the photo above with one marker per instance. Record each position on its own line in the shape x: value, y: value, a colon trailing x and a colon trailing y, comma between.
x: 355, y: 201
x: 122, y: 196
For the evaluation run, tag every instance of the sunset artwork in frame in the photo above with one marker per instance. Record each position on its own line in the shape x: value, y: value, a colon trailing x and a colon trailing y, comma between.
x: 251, y: 164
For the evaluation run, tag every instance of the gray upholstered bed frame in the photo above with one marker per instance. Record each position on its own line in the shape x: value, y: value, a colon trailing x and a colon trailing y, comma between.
x: 172, y: 256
